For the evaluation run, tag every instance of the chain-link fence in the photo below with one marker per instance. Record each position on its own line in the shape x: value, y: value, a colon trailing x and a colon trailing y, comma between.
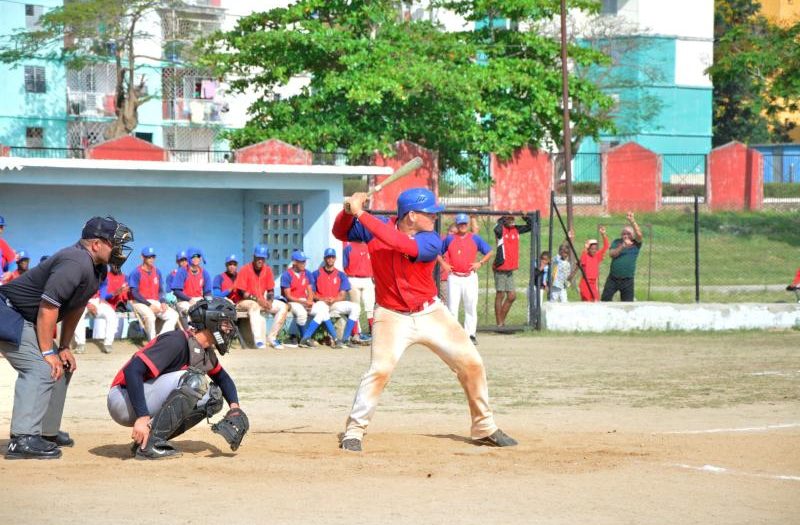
x: 690, y: 254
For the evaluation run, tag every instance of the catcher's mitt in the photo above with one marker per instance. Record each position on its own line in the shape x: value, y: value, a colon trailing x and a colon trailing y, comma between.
x: 232, y: 427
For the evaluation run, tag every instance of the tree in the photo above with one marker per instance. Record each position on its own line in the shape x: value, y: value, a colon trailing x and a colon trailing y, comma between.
x: 81, y: 33
x: 376, y: 78
x: 756, y: 74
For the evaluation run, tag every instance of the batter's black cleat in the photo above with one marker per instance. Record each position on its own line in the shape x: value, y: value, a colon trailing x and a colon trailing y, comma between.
x: 497, y: 439
x: 61, y: 439
x: 351, y: 445
x: 31, y: 447
x: 157, y: 449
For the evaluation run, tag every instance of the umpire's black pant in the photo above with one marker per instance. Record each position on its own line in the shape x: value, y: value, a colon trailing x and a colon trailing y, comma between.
x: 623, y: 284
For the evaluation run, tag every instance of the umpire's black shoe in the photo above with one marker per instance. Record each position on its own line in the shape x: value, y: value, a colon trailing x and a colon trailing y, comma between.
x: 31, y: 447
x: 157, y: 449
x: 61, y: 439
x: 497, y: 439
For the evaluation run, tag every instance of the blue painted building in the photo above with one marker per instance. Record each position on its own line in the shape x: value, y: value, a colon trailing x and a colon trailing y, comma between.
x: 222, y: 208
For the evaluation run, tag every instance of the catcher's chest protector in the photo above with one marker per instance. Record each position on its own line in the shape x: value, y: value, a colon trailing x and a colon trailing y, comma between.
x: 201, y: 358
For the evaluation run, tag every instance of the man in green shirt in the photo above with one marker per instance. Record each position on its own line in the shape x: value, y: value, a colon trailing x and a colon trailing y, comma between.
x: 623, y: 252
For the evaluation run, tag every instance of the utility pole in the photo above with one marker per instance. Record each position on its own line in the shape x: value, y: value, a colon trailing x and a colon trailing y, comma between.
x: 565, y: 105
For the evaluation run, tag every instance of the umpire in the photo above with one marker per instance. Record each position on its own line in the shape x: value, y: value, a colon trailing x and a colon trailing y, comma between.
x: 56, y: 290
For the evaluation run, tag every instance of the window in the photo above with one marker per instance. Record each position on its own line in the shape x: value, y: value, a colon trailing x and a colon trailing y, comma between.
x: 32, y: 14
x: 609, y: 7
x: 147, y: 137
x: 34, y: 79
x: 34, y: 137
x: 282, y: 230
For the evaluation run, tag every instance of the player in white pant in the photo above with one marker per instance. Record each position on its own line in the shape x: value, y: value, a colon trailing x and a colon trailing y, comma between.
x: 404, y: 255
x: 147, y: 296
x: 330, y: 287
x: 358, y: 268
x: 461, y: 249
x: 99, y: 310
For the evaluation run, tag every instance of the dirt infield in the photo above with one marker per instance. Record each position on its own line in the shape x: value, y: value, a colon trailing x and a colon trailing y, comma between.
x: 613, y: 429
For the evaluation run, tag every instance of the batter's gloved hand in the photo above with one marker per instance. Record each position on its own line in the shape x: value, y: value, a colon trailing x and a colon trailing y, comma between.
x: 232, y: 427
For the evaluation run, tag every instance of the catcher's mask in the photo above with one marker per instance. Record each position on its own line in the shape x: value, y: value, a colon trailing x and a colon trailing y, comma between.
x: 219, y: 317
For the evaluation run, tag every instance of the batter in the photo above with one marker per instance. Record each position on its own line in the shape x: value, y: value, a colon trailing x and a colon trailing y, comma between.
x: 403, y: 251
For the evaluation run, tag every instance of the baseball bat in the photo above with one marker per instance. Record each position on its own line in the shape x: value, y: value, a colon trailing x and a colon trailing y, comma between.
x: 402, y: 171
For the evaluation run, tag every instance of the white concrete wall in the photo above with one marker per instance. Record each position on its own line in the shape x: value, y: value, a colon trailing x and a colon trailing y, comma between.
x: 605, y: 317
x: 692, y: 58
x: 683, y: 18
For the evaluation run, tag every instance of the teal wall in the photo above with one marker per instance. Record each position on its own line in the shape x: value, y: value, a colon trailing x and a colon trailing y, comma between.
x: 19, y: 109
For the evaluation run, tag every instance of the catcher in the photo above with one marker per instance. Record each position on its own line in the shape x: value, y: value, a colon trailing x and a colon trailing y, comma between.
x: 163, y: 390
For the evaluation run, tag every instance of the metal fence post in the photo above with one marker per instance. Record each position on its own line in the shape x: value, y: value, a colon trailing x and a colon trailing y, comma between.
x: 534, y: 303
x: 696, y: 249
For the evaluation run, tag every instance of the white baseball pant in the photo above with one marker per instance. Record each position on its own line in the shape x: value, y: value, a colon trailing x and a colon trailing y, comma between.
x: 300, y: 314
x: 183, y: 306
x: 464, y: 287
x: 558, y: 295
x: 105, y: 312
x: 258, y: 325
x: 148, y: 317
x: 362, y: 289
x: 436, y: 328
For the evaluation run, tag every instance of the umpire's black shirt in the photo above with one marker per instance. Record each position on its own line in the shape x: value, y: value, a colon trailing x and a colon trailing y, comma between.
x: 67, y: 280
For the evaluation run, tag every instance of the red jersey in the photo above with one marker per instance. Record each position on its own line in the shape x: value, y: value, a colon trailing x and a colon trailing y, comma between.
x: 114, y: 283
x: 11, y: 276
x: 462, y: 249
x: 402, y: 264
x: 226, y: 283
x: 149, y: 284
x: 357, y: 262
x: 297, y: 283
x: 255, y: 284
x: 328, y: 285
x: 510, y: 244
x: 591, y: 264
x: 194, y: 284
x: 7, y: 255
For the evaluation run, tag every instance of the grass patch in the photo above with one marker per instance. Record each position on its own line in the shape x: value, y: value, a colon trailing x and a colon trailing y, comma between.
x: 782, y: 190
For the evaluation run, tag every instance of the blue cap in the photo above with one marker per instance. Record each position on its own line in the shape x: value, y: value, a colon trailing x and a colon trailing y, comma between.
x: 462, y: 218
x: 330, y: 252
x: 261, y: 250
x: 299, y: 256
x: 417, y: 199
x: 2, y: 221
x: 231, y: 258
x: 148, y: 251
x: 191, y: 251
x: 22, y: 254
x: 181, y: 255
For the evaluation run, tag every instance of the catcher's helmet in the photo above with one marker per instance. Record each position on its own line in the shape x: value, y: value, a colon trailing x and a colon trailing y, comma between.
x: 217, y: 315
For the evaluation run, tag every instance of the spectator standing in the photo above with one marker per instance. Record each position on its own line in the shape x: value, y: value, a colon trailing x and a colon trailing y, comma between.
x: 506, y: 261
x: 562, y: 275
x: 56, y: 290
x: 255, y: 284
x: 148, y: 296
x: 540, y: 274
x: 624, y: 252
x: 590, y: 262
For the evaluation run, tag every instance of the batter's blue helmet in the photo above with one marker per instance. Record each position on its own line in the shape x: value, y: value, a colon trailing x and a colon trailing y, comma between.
x: 181, y: 255
x: 148, y: 251
x: 329, y: 252
x: 462, y: 218
x: 231, y: 258
x: 22, y: 254
x: 299, y: 256
x: 261, y: 250
x: 417, y: 199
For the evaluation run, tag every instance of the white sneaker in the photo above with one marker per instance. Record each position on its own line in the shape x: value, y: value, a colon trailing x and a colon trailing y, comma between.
x: 80, y: 349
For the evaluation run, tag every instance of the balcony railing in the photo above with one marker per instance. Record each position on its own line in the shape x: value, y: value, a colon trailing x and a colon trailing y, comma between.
x: 194, y: 110
x: 90, y: 104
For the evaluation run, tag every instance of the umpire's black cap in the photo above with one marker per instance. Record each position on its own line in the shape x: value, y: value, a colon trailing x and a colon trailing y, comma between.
x: 99, y: 228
